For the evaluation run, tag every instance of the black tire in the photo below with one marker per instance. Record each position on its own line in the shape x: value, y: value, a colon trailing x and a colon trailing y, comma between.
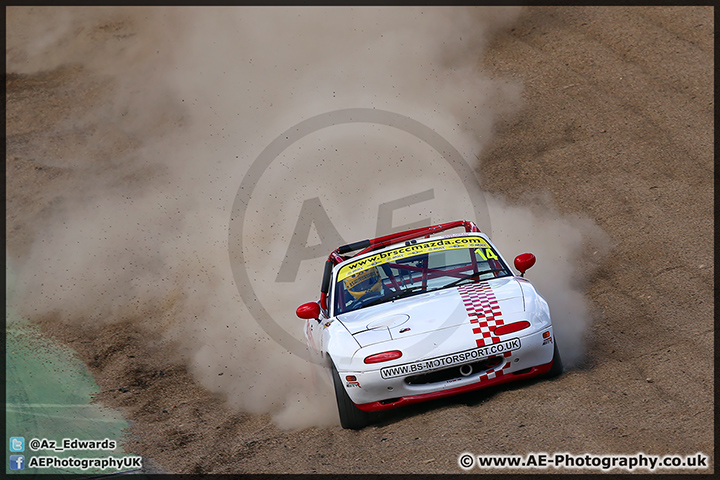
x: 557, y: 366
x: 350, y: 416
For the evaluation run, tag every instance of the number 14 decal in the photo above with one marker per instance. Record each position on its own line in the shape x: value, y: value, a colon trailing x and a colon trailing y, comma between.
x: 488, y: 253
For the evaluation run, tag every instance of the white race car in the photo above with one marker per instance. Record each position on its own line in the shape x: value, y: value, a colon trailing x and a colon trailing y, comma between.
x: 419, y: 315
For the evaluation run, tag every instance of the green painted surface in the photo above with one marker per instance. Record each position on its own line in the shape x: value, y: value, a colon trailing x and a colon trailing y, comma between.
x: 48, y: 396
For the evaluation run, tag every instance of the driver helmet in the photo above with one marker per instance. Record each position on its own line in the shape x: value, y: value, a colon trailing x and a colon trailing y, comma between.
x: 363, y: 283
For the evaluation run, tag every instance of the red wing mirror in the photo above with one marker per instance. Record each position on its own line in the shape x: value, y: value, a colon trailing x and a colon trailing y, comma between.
x: 308, y: 311
x: 524, y: 261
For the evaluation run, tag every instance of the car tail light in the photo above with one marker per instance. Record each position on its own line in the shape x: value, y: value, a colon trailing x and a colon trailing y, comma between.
x: 383, y: 357
x: 511, y: 327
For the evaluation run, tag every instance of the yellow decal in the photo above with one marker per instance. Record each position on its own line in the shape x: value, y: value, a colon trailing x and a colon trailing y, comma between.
x: 412, y: 250
x: 490, y: 254
x: 487, y: 254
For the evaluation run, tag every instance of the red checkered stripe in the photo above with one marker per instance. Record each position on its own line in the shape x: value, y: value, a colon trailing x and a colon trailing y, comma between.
x: 485, y: 315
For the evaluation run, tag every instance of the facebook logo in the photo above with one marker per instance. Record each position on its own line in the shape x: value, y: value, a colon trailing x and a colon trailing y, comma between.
x: 17, y: 444
x: 17, y: 462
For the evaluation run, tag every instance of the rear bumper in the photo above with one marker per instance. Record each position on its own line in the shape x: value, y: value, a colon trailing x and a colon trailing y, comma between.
x: 410, y: 399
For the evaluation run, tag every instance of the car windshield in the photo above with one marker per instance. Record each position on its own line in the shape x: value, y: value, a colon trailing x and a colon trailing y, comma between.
x: 413, y: 269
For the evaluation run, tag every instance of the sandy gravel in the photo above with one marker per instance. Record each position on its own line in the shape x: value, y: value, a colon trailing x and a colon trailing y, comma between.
x: 617, y: 125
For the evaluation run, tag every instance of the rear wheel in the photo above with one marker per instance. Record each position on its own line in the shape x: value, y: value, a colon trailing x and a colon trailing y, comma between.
x: 557, y: 366
x: 350, y: 416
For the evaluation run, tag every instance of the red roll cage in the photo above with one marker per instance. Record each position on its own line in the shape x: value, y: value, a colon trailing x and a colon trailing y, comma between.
x: 336, y: 256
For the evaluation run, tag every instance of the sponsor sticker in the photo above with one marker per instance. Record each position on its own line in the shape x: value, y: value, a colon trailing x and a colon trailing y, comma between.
x: 437, y: 363
x: 409, y: 251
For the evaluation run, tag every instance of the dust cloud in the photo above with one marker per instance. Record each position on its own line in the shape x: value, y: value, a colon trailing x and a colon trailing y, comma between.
x: 568, y: 249
x: 177, y: 105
